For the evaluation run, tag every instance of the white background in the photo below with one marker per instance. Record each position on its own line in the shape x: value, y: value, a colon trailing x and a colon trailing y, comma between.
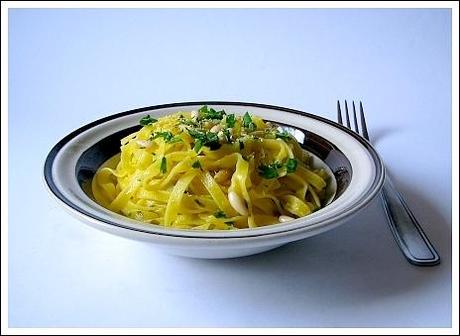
x: 70, y: 67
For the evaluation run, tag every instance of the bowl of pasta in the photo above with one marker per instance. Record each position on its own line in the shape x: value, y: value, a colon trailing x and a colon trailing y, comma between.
x: 214, y: 179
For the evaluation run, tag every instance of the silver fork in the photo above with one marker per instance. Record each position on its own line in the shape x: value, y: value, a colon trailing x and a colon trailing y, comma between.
x: 406, y: 230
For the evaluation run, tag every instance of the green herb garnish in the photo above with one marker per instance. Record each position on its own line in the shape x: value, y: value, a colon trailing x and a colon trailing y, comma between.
x: 211, y: 138
x: 210, y: 113
x: 175, y: 139
x: 203, y: 110
x: 220, y: 214
x: 283, y: 135
x: 196, y: 164
x: 147, y: 120
x: 230, y: 120
x: 198, y: 145
x: 269, y: 171
x: 168, y: 137
x: 291, y: 165
x: 163, y: 165
x: 213, y: 114
x: 247, y: 119
x: 196, y: 134
x: 203, y: 138
x: 247, y: 122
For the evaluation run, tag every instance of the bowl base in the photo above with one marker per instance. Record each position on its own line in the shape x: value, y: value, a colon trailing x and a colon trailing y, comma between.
x: 218, y: 253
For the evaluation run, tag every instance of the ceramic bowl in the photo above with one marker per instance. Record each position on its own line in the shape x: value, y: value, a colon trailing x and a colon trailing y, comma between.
x: 358, y: 175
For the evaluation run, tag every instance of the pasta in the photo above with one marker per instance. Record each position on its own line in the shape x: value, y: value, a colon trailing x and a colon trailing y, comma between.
x: 209, y: 170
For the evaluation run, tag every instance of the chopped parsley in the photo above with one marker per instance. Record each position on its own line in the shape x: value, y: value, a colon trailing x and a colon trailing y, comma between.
x: 175, y: 139
x: 247, y: 119
x: 291, y: 165
x: 204, y: 138
x: 269, y: 171
x: 220, y: 214
x: 283, y: 135
x: 198, y: 145
x: 211, y: 137
x: 247, y: 122
x: 196, y: 164
x: 163, y: 165
x: 167, y: 136
x: 210, y: 113
x: 147, y: 120
x: 196, y: 134
x: 230, y: 120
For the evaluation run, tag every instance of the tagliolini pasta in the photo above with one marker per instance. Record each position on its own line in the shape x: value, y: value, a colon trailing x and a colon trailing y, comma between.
x: 207, y: 170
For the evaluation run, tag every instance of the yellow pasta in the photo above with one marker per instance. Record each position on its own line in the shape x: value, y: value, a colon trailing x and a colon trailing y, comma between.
x: 209, y: 170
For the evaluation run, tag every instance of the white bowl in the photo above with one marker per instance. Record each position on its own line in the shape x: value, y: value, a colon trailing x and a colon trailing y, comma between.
x: 357, y: 168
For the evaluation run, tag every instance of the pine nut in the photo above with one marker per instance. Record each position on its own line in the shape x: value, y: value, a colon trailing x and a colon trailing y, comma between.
x: 144, y: 143
x: 284, y: 218
x: 237, y: 203
x: 215, y: 129
x: 221, y: 136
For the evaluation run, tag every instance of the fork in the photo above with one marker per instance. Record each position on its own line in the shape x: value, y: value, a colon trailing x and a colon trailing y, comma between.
x: 406, y: 230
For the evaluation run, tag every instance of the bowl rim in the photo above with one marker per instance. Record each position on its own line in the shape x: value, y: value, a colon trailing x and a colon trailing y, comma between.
x: 55, y: 191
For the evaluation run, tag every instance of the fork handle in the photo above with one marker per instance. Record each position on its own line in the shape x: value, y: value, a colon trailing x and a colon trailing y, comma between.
x: 406, y: 230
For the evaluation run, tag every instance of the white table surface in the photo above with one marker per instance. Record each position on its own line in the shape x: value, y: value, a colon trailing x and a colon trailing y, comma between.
x: 70, y: 67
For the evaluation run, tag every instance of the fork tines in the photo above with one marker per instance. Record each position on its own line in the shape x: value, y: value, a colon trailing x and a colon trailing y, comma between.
x: 364, y: 132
